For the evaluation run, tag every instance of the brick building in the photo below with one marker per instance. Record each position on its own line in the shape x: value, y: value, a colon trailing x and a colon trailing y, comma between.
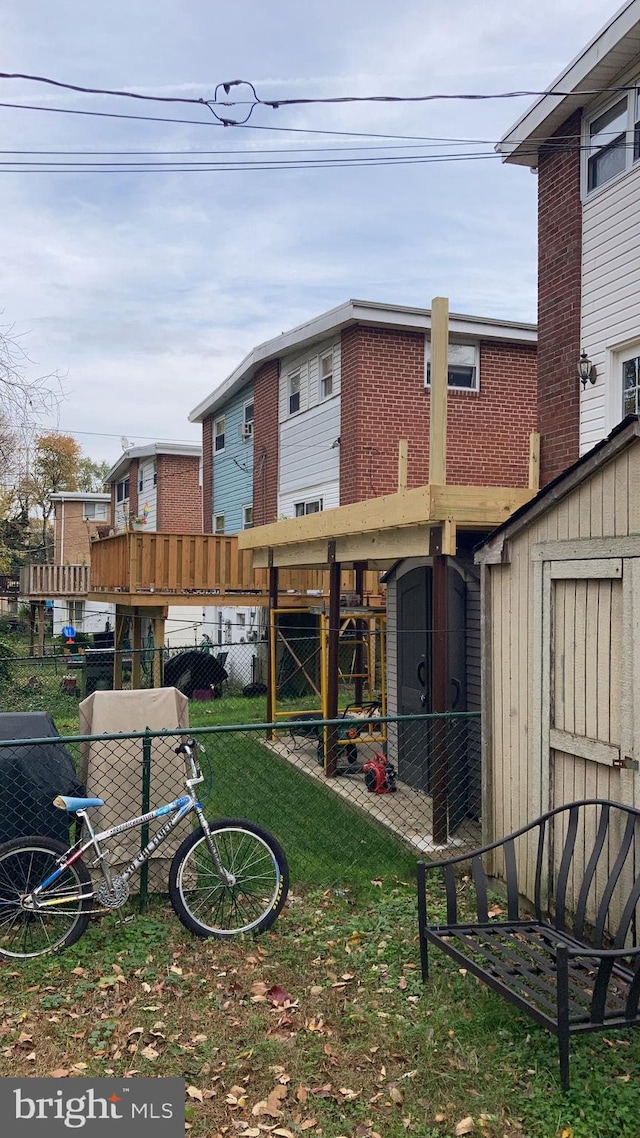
x: 157, y: 487
x: 313, y: 418
x: 585, y: 148
x: 77, y: 519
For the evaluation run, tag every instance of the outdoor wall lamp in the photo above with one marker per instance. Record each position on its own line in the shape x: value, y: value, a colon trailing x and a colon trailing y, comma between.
x: 586, y: 370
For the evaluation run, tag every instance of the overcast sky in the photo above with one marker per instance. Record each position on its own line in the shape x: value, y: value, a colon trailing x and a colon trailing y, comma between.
x: 147, y: 289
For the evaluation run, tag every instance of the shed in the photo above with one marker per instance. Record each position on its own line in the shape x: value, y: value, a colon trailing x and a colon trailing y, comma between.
x: 560, y: 617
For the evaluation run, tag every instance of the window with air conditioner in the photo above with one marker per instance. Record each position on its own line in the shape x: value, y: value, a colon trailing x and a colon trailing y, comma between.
x: 463, y: 372
x: 247, y: 421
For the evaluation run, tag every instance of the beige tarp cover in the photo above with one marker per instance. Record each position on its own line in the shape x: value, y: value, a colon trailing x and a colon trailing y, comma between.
x: 112, y: 769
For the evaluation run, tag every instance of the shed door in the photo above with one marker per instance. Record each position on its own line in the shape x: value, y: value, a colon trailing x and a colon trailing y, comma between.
x: 588, y: 701
x: 585, y: 655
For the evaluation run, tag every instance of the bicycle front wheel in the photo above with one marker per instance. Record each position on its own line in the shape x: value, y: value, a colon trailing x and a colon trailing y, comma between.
x: 208, y: 906
x: 30, y: 929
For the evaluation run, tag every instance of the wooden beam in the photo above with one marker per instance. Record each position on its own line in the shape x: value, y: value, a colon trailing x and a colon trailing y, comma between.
x: 333, y: 664
x: 403, y: 459
x: 136, y: 653
x: 476, y: 505
x: 439, y: 382
x: 158, y: 645
x: 534, y: 461
x: 449, y: 537
x: 121, y: 619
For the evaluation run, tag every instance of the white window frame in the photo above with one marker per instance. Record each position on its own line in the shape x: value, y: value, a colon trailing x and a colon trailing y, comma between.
x: 217, y: 434
x: 474, y: 344
x: 247, y: 422
x: 295, y: 374
x: 218, y: 523
x: 622, y: 357
x: 75, y: 614
x: 247, y: 510
x: 322, y: 379
x: 95, y: 512
x: 631, y: 142
x: 301, y: 509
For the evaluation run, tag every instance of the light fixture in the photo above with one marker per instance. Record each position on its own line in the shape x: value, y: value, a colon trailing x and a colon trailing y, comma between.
x: 586, y: 370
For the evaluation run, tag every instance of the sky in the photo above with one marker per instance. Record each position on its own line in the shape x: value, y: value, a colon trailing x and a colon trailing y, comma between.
x: 145, y: 290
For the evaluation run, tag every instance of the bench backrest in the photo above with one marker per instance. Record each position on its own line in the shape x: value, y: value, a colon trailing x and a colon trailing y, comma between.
x: 580, y: 864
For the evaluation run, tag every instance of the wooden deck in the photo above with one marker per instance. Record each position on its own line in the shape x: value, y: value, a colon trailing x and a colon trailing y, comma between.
x: 42, y: 582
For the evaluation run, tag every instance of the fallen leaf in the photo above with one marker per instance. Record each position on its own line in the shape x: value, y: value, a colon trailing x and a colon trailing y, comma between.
x: 308, y: 1123
x: 302, y: 1093
x: 194, y: 1092
x: 59, y: 1073
x: 278, y: 996
x: 396, y: 1095
x: 465, y: 1126
x: 149, y: 1052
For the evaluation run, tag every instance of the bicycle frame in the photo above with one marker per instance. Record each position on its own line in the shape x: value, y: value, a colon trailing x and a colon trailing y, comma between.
x: 179, y: 809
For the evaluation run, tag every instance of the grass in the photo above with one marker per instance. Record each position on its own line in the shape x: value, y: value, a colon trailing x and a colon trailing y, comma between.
x: 321, y: 1027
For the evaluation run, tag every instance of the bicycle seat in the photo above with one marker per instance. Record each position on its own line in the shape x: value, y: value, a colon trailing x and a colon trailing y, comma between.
x: 63, y: 802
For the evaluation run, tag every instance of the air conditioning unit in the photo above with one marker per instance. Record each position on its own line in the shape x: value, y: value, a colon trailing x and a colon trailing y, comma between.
x: 246, y: 430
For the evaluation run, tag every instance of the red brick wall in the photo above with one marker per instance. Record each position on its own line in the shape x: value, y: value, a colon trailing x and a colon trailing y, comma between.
x: 383, y: 400
x: 207, y: 474
x: 265, y: 443
x: 179, y: 508
x: 559, y: 291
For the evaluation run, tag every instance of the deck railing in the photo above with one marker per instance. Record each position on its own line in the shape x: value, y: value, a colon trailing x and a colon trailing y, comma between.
x: 40, y: 581
x: 200, y: 564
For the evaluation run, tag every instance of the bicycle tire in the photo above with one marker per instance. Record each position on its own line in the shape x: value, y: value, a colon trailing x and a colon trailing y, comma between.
x: 24, y: 864
x: 209, y: 908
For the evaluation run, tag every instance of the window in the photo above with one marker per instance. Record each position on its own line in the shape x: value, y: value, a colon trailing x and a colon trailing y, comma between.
x: 463, y: 366
x: 247, y: 422
x: 326, y: 375
x: 95, y: 511
x: 247, y: 517
x: 218, y: 435
x: 612, y: 141
x: 294, y: 392
x: 122, y: 490
x: 218, y: 523
x: 241, y: 619
x: 312, y: 507
x: 631, y: 385
x: 75, y: 614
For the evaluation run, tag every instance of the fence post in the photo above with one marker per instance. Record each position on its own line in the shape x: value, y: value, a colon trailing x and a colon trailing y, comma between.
x: 144, y: 834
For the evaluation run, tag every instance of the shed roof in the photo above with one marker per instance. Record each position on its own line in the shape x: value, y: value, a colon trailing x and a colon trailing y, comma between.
x: 579, y: 472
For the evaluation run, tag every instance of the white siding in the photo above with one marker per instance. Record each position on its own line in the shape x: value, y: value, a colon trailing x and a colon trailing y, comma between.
x: 610, y: 315
x: 147, y: 495
x: 309, y: 463
x: 308, y: 363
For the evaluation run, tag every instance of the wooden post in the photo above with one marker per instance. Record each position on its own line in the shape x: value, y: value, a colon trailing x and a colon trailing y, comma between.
x: 272, y: 677
x: 158, y: 644
x: 403, y: 459
x: 118, y: 637
x: 439, y: 381
x: 439, y: 698
x: 333, y: 636
x: 136, y: 651
x: 40, y: 613
x: 32, y: 628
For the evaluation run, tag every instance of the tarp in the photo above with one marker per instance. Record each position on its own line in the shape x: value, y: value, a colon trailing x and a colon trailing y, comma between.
x: 113, y: 769
x: 193, y: 670
x: 31, y: 776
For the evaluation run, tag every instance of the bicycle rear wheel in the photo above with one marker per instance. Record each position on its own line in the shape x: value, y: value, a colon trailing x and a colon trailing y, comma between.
x: 205, y: 904
x: 24, y: 931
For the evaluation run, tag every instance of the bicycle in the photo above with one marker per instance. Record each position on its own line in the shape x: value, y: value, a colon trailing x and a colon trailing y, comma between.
x: 225, y: 879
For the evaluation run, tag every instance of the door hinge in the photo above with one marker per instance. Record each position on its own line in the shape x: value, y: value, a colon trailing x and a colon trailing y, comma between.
x: 626, y: 763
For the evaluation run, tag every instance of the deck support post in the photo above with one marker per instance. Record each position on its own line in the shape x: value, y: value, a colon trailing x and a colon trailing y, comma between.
x: 136, y: 653
x: 272, y: 677
x: 439, y: 699
x: 333, y: 650
x: 117, y: 644
x: 358, y: 655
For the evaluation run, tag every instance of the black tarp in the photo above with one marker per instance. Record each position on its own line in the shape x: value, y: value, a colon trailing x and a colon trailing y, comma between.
x: 31, y: 776
x: 190, y: 671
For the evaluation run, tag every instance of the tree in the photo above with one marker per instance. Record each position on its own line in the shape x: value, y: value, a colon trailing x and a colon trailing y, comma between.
x: 26, y: 398
x: 92, y: 475
x: 55, y: 466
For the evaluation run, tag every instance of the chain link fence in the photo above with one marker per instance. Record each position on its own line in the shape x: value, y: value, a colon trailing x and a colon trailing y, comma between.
x: 347, y: 807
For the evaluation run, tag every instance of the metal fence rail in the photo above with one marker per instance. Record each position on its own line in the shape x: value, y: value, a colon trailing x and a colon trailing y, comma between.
x: 416, y: 793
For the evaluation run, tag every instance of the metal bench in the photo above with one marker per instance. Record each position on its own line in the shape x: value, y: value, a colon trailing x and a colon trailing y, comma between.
x: 570, y: 956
